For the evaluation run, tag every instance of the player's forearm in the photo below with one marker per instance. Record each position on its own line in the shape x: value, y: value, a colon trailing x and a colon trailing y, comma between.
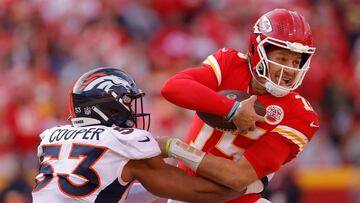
x: 235, y: 175
x: 170, y: 182
x: 176, y: 184
x: 194, y: 189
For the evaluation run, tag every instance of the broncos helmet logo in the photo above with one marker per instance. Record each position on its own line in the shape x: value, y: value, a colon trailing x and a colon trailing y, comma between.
x: 104, y: 82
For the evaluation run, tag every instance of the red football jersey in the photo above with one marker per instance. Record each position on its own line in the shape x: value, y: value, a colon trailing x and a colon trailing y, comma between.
x: 290, y: 120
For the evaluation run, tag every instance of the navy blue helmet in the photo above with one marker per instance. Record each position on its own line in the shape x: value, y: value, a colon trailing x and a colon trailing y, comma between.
x: 107, y: 96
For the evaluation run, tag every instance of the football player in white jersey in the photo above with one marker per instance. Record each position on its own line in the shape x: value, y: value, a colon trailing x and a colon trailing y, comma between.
x: 97, y: 158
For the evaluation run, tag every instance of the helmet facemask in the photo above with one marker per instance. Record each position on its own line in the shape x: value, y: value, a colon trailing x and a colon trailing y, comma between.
x: 275, y: 86
x: 133, y: 104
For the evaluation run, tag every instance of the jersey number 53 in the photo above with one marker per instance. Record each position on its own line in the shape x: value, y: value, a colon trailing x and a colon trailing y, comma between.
x: 88, y: 154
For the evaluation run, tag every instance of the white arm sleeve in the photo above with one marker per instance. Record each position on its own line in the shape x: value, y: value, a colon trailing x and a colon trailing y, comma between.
x: 138, y: 194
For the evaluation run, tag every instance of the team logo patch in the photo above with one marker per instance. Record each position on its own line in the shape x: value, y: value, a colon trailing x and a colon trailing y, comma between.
x: 274, y: 114
x: 263, y: 25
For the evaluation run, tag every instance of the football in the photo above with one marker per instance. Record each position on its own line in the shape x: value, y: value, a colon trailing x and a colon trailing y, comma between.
x: 219, y: 122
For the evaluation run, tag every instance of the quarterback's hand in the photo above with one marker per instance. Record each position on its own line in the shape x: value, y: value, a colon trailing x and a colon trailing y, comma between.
x: 259, y: 186
x: 246, y: 117
x: 161, y: 140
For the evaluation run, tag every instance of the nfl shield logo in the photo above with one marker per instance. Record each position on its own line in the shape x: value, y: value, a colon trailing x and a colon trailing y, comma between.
x: 87, y: 110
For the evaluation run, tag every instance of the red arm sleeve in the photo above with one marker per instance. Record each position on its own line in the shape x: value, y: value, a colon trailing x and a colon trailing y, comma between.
x: 194, y: 89
x: 267, y: 154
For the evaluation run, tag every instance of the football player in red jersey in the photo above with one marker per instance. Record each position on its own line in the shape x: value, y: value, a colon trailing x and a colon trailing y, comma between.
x: 278, y: 57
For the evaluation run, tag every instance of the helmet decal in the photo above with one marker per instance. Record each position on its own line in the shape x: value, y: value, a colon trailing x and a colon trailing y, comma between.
x: 90, y: 79
x: 263, y: 25
x: 105, y: 83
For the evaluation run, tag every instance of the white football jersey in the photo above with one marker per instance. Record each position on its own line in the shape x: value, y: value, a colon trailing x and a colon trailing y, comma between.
x: 84, y: 164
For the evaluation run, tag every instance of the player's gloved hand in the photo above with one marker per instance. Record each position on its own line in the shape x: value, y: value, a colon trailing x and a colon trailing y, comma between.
x: 245, y: 116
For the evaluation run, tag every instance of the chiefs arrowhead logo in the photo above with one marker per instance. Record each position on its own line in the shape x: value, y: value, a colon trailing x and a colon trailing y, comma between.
x: 263, y: 25
x: 274, y: 114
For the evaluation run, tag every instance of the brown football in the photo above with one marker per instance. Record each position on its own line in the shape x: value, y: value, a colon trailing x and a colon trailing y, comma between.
x: 219, y: 122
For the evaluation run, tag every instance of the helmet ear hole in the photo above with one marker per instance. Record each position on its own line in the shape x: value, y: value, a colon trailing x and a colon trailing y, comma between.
x: 260, y: 68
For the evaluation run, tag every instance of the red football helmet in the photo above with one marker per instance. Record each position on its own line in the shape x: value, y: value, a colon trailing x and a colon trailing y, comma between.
x: 285, y: 29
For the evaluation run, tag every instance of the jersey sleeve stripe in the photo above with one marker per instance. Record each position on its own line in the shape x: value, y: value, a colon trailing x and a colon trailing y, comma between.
x: 211, y: 60
x: 292, y: 134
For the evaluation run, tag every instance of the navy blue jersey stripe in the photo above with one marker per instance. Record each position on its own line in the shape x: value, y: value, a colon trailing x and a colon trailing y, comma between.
x: 112, y: 193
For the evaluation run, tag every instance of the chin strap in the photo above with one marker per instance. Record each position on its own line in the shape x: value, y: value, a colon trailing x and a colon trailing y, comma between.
x: 275, y: 91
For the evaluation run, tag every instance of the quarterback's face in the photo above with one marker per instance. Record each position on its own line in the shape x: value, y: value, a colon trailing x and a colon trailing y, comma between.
x: 284, y: 66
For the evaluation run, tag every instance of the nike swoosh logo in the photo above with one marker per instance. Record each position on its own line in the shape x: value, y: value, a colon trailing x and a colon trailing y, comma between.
x: 312, y: 124
x: 146, y: 140
x: 224, y: 50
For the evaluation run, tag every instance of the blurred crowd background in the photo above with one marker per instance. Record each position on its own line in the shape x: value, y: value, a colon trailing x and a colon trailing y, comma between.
x: 45, y: 45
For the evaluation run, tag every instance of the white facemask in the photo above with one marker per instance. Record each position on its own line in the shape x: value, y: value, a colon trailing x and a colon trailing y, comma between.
x: 262, y: 68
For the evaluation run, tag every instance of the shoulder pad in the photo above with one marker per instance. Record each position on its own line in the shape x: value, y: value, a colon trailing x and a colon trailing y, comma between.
x: 134, y: 143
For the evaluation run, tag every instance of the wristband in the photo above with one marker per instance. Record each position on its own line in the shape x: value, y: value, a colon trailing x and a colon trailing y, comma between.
x: 189, y: 155
x: 167, y: 146
x: 234, y: 110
